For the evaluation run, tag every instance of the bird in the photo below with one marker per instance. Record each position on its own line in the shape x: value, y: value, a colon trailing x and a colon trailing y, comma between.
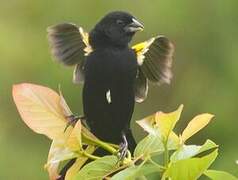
x: 114, y: 74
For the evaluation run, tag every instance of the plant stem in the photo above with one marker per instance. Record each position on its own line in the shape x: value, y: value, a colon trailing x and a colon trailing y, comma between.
x: 115, y: 170
x: 114, y: 145
x: 102, y: 144
x: 121, y: 167
x: 166, y: 154
x: 90, y: 155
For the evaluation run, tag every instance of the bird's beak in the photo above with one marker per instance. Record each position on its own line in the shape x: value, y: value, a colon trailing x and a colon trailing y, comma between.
x: 134, y: 26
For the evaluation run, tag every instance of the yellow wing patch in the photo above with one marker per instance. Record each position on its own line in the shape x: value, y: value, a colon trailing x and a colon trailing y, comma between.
x: 141, y: 49
x: 85, y: 37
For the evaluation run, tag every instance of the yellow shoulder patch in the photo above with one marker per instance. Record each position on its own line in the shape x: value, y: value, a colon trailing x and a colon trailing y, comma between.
x: 141, y: 49
x: 85, y: 37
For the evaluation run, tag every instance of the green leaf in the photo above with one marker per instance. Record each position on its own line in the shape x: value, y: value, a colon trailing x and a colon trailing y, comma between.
x: 152, y: 145
x: 187, y: 151
x: 219, y: 175
x: 188, y: 169
x: 72, y: 171
x: 97, y: 169
x: 134, y: 172
x: 141, y: 178
x: 167, y: 121
x: 159, y: 126
x: 195, y: 125
x: 161, y: 123
x: 173, y: 141
x: 209, y: 144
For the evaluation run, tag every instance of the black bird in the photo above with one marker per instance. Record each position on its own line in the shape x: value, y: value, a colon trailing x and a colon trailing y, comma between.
x: 114, y: 74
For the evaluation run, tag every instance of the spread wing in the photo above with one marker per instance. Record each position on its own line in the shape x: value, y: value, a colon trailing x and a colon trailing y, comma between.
x: 155, y: 60
x: 141, y: 87
x: 69, y: 45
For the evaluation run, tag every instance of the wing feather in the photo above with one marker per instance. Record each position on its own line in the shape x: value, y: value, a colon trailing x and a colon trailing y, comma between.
x: 69, y: 45
x: 78, y: 76
x: 141, y: 87
x: 154, y: 58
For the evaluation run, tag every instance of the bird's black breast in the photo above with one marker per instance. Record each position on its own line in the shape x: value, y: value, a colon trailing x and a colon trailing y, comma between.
x: 109, y: 70
x: 110, y: 64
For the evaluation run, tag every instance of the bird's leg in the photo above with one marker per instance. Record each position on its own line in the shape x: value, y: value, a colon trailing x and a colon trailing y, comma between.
x: 72, y: 119
x: 123, y: 148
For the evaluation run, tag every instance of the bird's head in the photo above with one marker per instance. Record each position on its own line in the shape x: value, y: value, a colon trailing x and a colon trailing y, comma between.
x: 116, y: 28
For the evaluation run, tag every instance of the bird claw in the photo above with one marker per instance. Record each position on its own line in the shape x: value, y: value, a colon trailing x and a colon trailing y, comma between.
x: 123, y: 148
x: 72, y: 119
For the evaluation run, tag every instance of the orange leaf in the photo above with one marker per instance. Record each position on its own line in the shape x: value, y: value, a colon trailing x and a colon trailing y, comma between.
x: 40, y: 109
x: 65, y: 108
x: 58, y: 153
x: 63, y: 149
x: 74, y: 141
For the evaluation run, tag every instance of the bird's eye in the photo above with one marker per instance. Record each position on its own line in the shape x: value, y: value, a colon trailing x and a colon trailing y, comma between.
x: 120, y: 22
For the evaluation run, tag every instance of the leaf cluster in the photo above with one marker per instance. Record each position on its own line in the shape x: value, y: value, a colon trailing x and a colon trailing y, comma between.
x: 162, y: 152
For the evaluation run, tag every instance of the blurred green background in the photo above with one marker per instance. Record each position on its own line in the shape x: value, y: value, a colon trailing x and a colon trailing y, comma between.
x: 205, y: 70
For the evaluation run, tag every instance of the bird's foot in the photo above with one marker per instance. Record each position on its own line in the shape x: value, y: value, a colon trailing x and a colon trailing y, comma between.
x: 72, y: 120
x: 123, y: 148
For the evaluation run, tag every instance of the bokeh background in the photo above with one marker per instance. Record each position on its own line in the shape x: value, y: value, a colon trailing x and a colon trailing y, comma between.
x: 205, y: 70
